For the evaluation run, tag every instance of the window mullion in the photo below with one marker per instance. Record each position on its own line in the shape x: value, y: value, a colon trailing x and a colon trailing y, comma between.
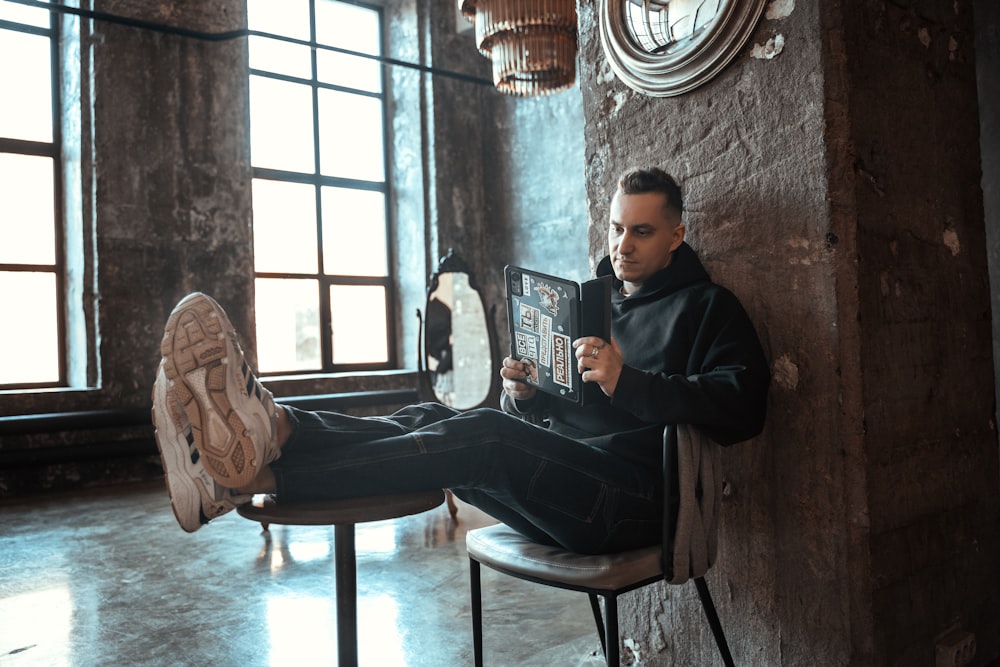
x: 345, y: 183
x: 58, y: 191
x: 322, y: 284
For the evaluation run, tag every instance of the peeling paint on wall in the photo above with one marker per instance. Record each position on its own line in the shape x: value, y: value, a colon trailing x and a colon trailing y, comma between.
x: 606, y: 75
x: 619, y: 101
x: 950, y: 238
x: 769, y: 49
x: 805, y: 259
x: 785, y: 373
x: 779, y: 9
x: 632, y: 657
x: 924, y: 36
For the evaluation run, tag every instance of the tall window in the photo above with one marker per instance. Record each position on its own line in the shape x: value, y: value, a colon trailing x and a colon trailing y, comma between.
x: 31, y: 352
x: 317, y: 138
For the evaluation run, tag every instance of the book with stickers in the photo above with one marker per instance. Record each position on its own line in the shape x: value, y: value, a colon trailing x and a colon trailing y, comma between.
x: 546, y: 314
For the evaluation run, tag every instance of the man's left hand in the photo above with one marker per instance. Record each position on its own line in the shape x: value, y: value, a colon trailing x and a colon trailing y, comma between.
x: 599, y: 361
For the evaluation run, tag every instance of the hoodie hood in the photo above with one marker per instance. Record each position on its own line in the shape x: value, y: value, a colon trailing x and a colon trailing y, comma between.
x: 684, y: 270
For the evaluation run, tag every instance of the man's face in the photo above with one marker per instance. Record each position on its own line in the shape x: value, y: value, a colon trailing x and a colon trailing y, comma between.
x: 642, y: 236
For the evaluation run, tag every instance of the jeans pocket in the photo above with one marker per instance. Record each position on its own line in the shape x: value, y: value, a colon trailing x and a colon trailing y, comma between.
x: 568, y: 491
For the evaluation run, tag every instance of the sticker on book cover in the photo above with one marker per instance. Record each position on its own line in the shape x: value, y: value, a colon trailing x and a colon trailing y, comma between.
x: 548, y: 298
x: 544, y: 335
x: 531, y: 368
x: 526, y: 344
x: 562, y: 359
x: 528, y: 317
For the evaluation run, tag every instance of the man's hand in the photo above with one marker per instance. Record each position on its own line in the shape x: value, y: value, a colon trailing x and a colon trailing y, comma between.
x: 599, y: 361
x: 514, y: 374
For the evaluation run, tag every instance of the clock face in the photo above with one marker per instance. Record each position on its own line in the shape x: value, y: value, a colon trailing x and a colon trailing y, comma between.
x: 669, y: 47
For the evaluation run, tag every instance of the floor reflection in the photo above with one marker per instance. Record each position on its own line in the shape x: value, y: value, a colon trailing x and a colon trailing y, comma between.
x: 36, y: 626
x: 301, y: 630
x: 107, y: 578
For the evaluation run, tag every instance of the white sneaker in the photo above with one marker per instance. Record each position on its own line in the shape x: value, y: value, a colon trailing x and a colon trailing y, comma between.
x: 195, y: 497
x: 233, y: 418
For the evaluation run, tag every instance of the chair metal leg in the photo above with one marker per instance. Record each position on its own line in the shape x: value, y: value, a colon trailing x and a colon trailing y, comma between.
x: 611, y: 629
x: 595, y: 606
x: 713, y: 621
x: 477, y: 611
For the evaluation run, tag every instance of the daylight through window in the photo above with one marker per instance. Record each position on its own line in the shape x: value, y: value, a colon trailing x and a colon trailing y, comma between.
x: 317, y: 137
x: 30, y: 265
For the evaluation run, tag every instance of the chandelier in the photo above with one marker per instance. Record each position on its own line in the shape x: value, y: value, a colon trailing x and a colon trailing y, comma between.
x: 531, y: 43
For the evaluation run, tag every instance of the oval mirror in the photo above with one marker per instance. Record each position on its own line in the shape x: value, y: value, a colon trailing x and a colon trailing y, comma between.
x: 458, y: 347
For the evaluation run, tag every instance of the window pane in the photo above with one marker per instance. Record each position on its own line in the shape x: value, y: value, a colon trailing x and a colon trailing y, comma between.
x: 284, y: 227
x: 354, y: 226
x: 29, y: 353
x: 359, y: 324
x: 348, y: 26
x: 273, y: 55
x: 27, y: 216
x: 287, y: 325
x: 289, y: 18
x: 281, y: 125
x: 29, y: 83
x: 34, y: 16
x: 341, y: 69
x: 351, y: 136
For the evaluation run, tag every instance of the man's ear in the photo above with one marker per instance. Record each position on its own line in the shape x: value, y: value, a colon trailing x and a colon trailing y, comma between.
x: 678, y: 233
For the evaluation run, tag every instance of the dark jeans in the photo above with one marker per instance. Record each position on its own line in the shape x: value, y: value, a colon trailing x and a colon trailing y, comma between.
x: 551, y: 488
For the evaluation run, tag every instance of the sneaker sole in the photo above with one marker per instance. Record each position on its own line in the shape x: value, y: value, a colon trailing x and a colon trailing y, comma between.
x: 195, y: 349
x: 180, y: 487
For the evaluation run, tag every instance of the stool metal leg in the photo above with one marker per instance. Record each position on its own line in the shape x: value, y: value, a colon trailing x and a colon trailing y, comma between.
x: 347, y: 595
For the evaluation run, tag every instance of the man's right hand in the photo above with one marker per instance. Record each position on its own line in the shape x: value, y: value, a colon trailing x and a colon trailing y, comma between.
x: 515, y: 383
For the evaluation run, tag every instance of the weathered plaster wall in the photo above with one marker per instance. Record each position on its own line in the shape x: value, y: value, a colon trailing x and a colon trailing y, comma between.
x: 927, y: 369
x: 987, y: 26
x: 855, y: 528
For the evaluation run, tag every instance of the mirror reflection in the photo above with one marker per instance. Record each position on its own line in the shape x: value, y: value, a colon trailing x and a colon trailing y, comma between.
x: 457, y: 347
x: 458, y: 352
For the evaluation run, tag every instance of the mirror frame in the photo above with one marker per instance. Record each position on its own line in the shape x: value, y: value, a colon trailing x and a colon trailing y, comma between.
x: 452, y: 263
x: 694, y: 63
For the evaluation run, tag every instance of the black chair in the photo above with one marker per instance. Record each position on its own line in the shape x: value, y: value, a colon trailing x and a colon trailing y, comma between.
x: 692, y: 478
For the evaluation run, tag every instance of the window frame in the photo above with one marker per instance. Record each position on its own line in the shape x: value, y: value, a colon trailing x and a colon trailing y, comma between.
x: 327, y: 281
x: 56, y: 152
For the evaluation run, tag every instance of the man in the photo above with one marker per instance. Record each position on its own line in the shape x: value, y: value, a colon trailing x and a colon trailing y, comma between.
x: 682, y: 351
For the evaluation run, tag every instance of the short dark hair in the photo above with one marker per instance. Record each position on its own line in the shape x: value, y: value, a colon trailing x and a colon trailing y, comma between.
x: 652, y: 179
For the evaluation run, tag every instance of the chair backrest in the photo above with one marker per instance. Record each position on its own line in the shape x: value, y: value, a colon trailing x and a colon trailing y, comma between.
x: 692, y: 485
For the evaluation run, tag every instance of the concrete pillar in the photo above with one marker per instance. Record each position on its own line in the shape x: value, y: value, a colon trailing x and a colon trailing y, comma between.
x: 835, y: 189
x: 171, y: 176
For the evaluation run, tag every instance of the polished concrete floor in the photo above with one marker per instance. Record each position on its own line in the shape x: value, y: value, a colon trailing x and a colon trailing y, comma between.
x: 108, y: 578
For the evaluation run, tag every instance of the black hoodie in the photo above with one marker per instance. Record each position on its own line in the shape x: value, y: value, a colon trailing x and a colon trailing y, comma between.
x: 691, y: 356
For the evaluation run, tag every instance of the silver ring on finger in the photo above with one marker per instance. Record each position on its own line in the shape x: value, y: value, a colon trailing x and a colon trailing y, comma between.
x: 595, y: 352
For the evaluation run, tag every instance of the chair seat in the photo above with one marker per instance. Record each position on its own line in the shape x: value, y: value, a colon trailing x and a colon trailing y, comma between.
x: 349, y: 511
x: 503, y: 548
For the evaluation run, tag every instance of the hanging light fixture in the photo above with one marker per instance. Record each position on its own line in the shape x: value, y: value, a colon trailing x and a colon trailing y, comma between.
x: 531, y: 43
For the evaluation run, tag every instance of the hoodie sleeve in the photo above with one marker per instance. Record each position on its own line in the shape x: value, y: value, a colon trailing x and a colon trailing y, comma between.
x: 724, y: 387
x: 534, y: 406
